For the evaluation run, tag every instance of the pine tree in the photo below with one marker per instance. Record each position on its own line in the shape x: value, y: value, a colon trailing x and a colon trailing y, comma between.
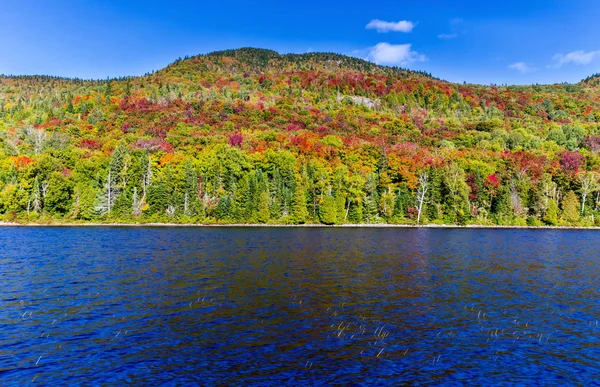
x: 328, y: 211
x: 371, y: 200
x: 222, y: 210
x: 340, y: 205
x: 108, y: 91
x: 299, y: 210
x: 404, y: 200
x: 263, y: 213
x: 251, y: 198
x: 435, y: 195
x: 501, y: 206
x: 551, y: 216
x: 157, y: 197
x: 355, y: 213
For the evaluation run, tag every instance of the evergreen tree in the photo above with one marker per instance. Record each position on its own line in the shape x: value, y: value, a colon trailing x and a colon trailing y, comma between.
x: 371, y: 200
x: 299, y: 211
x: 222, y: 210
x: 501, y: 206
x: 434, y: 202
x: 355, y: 213
x: 157, y: 197
x: 404, y: 200
x: 328, y: 211
x: 263, y: 213
x: 340, y: 205
x: 551, y: 216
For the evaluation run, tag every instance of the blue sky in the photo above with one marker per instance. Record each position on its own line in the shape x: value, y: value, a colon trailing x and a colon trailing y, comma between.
x: 514, y: 42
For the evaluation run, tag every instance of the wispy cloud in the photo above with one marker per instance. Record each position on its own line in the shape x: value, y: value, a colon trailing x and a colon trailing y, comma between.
x: 522, y: 67
x: 385, y: 26
x: 454, y: 27
x: 448, y: 36
x: 394, y: 54
x: 576, y: 57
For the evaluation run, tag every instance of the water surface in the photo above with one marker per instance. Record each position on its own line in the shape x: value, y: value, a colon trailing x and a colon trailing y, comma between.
x: 273, y: 306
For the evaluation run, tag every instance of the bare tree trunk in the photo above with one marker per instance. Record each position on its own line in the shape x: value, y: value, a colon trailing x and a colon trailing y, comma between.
x: 421, y: 192
x: 186, y: 210
x: 347, y: 208
x: 109, y: 203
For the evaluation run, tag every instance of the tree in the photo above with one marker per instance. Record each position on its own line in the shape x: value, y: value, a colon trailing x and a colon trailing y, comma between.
x: 299, y: 210
x: 354, y: 196
x: 371, y: 200
x: 116, y: 181
x: 457, y: 190
x: 421, y: 193
x: 386, y: 205
x: 136, y: 204
x: 37, y: 138
x: 570, y: 207
x: 107, y: 196
x: 263, y: 213
x: 589, y: 184
x: 551, y: 216
x: 548, y: 191
x: 59, y: 194
x: 328, y: 211
x: 35, y: 199
x: 146, y: 175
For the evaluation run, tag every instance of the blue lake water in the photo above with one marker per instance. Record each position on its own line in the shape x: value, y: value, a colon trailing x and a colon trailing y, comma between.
x: 279, y: 306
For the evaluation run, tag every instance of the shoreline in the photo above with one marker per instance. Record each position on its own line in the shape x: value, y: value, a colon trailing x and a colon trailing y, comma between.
x: 259, y: 225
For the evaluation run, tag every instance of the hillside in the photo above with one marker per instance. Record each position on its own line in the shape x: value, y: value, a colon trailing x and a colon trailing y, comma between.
x: 252, y: 136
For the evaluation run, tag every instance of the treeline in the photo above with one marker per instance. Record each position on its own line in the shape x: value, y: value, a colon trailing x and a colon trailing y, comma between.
x: 223, y: 184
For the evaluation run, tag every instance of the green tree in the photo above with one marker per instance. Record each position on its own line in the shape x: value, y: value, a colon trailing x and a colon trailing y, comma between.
x: 299, y: 210
x: 387, y: 201
x: 551, y: 216
x: 327, y: 210
x: 263, y: 213
x: 457, y: 192
x: 570, y: 207
x: 59, y: 195
x: 371, y: 200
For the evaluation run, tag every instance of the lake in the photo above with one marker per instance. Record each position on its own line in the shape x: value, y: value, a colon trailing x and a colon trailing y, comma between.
x: 298, y: 306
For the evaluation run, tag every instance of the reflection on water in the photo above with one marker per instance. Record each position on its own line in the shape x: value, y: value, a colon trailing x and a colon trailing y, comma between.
x: 225, y: 306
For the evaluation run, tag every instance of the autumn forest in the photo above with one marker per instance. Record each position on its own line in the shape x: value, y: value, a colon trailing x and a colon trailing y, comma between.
x: 251, y: 136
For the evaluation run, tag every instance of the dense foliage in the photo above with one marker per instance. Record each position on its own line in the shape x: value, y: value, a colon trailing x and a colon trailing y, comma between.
x: 251, y: 136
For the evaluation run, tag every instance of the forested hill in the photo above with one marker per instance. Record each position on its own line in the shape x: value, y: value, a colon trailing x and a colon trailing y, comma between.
x: 252, y: 136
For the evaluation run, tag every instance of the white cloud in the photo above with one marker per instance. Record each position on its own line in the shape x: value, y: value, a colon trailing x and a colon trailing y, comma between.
x: 576, y: 57
x: 448, y: 36
x: 394, y: 54
x: 522, y: 67
x: 384, y: 26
